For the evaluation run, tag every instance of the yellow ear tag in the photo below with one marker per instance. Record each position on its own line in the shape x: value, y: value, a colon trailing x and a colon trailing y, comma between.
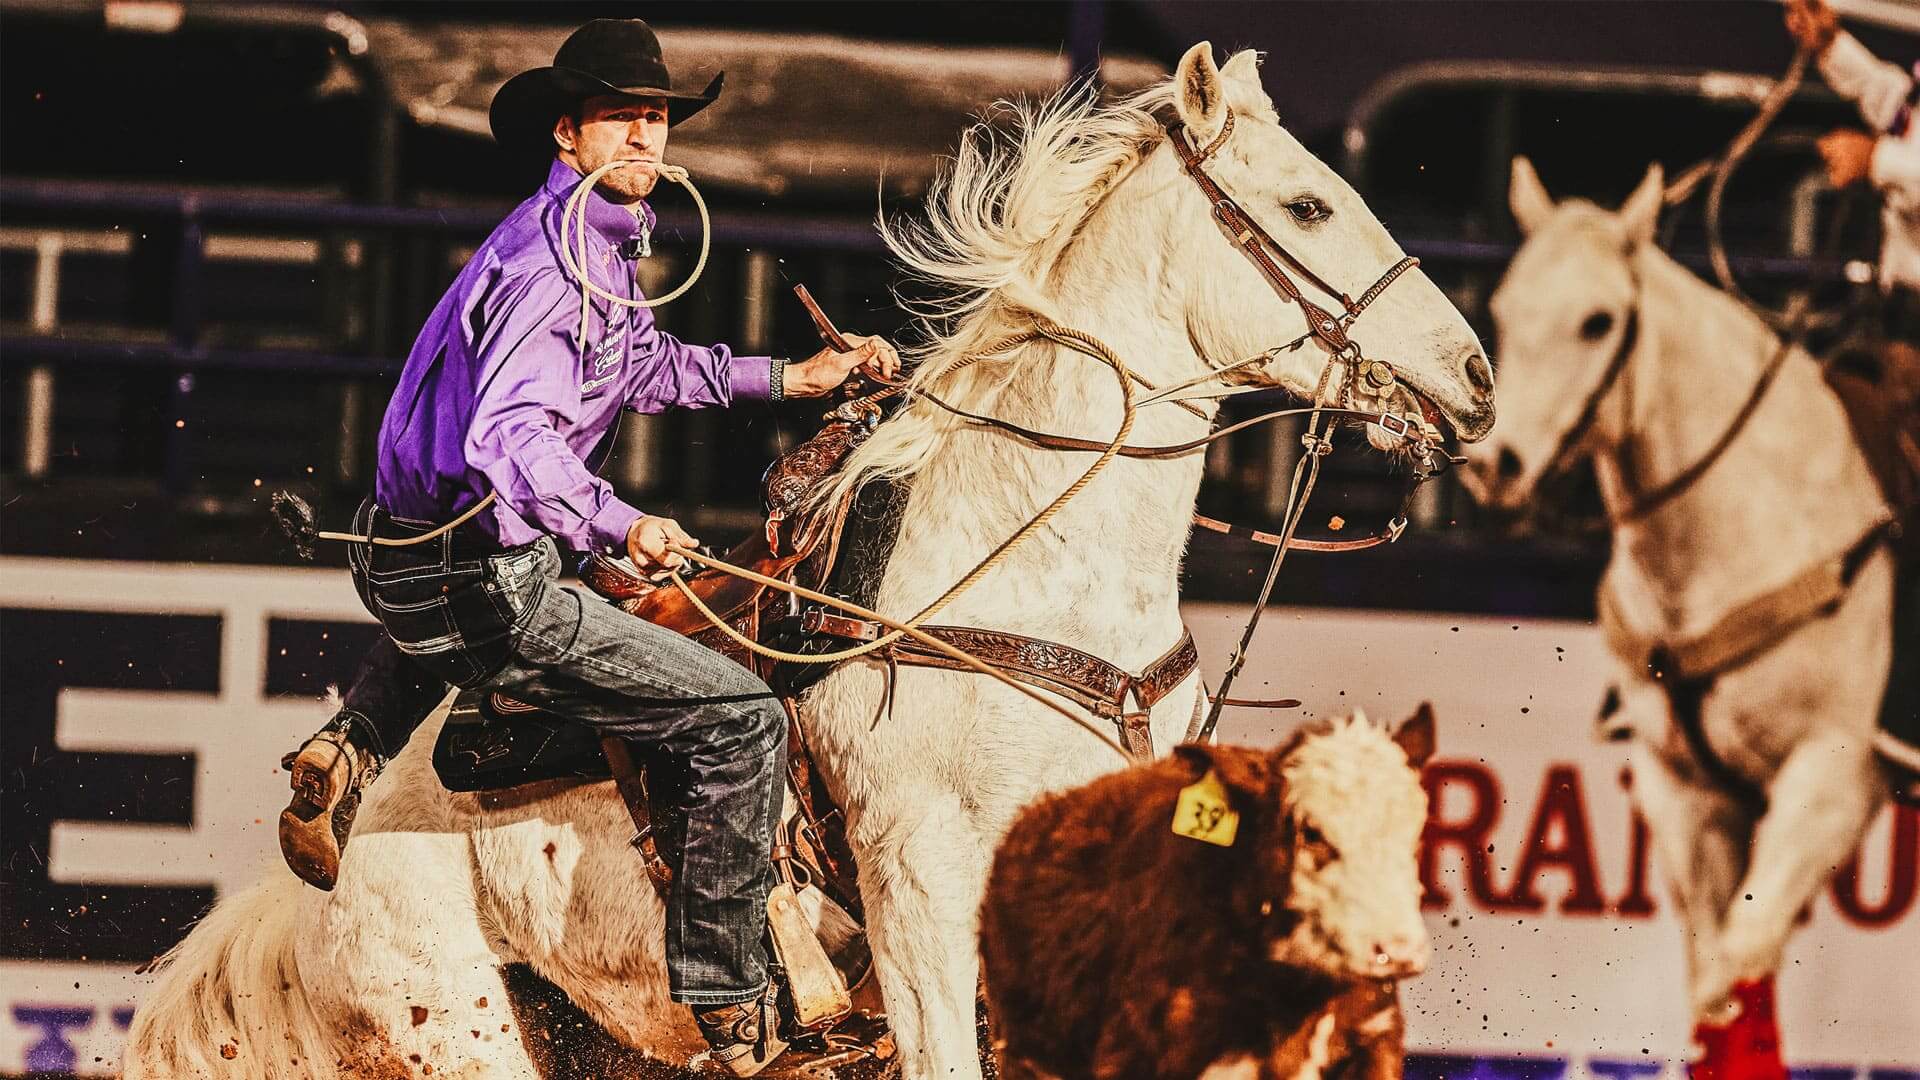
x: 1203, y: 813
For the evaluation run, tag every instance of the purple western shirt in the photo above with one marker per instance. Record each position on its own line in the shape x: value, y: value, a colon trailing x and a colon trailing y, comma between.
x: 498, y: 396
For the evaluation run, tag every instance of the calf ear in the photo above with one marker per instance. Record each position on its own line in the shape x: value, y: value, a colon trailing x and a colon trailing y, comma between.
x: 1243, y: 771
x: 1415, y: 735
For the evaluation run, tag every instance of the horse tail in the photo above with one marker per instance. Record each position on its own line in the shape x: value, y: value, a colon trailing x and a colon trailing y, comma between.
x: 229, y: 1000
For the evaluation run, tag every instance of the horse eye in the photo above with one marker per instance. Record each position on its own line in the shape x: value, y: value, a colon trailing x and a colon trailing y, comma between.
x: 1596, y: 326
x: 1307, y: 211
x: 1311, y: 835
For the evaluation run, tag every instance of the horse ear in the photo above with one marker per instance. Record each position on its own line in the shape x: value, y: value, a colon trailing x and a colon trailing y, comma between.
x: 1640, y: 214
x: 1415, y: 735
x: 1243, y: 67
x: 1527, y: 196
x: 1200, y: 98
x: 1242, y: 771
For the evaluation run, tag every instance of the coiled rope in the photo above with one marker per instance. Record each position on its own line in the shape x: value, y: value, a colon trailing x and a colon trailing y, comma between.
x: 576, y: 207
x: 576, y: 263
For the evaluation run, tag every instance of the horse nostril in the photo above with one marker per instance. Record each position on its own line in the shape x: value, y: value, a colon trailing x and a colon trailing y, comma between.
x: 1509, y: 464
x: 1480, y: 374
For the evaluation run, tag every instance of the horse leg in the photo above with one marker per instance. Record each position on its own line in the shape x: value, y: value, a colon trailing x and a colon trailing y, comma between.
x: 922, y: 873
x: 1700, y: 837
x: 1819, y: 802
x: 413, y: 972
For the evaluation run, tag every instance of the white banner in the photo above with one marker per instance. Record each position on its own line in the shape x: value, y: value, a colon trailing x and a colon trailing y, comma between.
x: 1556, y: 952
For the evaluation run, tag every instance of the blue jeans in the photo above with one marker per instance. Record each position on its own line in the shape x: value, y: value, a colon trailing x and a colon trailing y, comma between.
x: 501, y: 620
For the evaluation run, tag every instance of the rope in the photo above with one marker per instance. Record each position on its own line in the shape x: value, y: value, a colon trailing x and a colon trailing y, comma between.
x: 1683, y: 186
x: 468, y: 515
x: 577, y: 207
x: 1721, y: 169
x: 1043, y: 328
x: 899, y: 630
x: 1317, y: 446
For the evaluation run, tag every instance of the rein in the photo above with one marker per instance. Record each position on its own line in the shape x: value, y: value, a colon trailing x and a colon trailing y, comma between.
x: 1043, y: 328
x: 1261, y: 248
x: 1646, y: 503
x: 1792, y: 325
x: 1330, y: 330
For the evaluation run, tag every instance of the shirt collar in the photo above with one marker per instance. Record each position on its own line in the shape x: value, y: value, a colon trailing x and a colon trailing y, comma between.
x: 610, y: 220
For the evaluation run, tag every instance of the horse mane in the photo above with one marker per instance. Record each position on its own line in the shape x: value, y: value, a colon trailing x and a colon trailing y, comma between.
x: 997, y: 223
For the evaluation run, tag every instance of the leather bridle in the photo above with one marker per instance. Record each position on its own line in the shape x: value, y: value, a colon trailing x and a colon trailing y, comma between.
x: 1260, y: 247
x: 1562, y: 456
x: 1267, y: 255
x: 1645, y: 503
x: 1331, y: 330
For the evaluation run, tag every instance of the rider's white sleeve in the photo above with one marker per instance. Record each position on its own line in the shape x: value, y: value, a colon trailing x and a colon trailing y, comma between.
x: 1878, y: 87
x: 1896, y: 169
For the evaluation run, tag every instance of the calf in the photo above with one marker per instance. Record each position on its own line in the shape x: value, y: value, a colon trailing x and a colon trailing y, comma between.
x: 1117, y: 945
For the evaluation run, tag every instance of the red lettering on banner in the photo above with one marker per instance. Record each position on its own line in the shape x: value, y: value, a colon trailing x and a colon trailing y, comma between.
x: 1469, y: 834
x: 1637, y: 903
x: 1562, y: 809
x: 1903, y: 876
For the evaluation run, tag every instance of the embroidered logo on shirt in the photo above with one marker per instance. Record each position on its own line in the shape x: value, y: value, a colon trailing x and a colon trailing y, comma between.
x: 608, y: 352
x: 591, y: 385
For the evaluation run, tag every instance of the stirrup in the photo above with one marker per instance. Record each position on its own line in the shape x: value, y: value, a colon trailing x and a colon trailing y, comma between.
x: 743, y: 1038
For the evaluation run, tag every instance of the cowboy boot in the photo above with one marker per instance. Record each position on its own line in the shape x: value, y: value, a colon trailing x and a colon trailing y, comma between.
x: 744, y: 1038
x: 328, y: 775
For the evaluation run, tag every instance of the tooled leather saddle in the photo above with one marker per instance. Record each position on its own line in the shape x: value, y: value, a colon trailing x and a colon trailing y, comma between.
x: 491, y: 741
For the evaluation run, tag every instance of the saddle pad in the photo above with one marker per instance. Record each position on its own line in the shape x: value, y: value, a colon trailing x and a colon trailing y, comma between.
x: 856, y: 562
x: 1879, y: 384
x: 490, y: 742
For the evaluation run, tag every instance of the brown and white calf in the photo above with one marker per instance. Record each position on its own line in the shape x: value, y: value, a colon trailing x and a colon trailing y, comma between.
x: 1115, y: 949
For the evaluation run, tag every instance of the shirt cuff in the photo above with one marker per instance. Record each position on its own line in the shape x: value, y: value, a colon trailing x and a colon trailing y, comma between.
x: 751, y: 377
x: 1895, y: 165
x: 608, y: 528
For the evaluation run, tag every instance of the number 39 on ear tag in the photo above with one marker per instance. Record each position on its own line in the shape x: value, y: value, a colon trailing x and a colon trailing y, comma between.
x: 1203, y: 813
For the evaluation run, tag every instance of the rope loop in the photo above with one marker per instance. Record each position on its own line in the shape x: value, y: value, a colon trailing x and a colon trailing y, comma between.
x: 576, y: 262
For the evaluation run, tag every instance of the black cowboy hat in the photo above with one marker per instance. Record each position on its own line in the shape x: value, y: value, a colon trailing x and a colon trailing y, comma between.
x: 606, y: 56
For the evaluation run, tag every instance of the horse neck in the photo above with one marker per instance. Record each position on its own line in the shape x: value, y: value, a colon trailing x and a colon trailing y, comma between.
x: 1109, y: 560
x: 1791, y: 487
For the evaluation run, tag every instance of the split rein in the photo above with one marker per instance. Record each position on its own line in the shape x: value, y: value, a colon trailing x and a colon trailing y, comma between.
x: 1078, y: 341
x: 1254, y: 242
x: 1260, y: 248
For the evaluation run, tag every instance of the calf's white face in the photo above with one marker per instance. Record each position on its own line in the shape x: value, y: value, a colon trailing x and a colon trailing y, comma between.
x: 1352, y: 796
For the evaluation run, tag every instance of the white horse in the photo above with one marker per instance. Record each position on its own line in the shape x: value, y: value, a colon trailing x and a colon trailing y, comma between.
x: 1598, y: 326
x: 1083, y: 216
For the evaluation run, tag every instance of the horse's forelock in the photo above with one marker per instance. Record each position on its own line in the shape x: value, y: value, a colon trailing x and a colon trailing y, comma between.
x: 997, y: 222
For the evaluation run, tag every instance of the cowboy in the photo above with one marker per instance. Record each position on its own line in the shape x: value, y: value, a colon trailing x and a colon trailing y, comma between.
x: 501, y: 397
x: 1888, y: 157
x: 1888, y: 416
